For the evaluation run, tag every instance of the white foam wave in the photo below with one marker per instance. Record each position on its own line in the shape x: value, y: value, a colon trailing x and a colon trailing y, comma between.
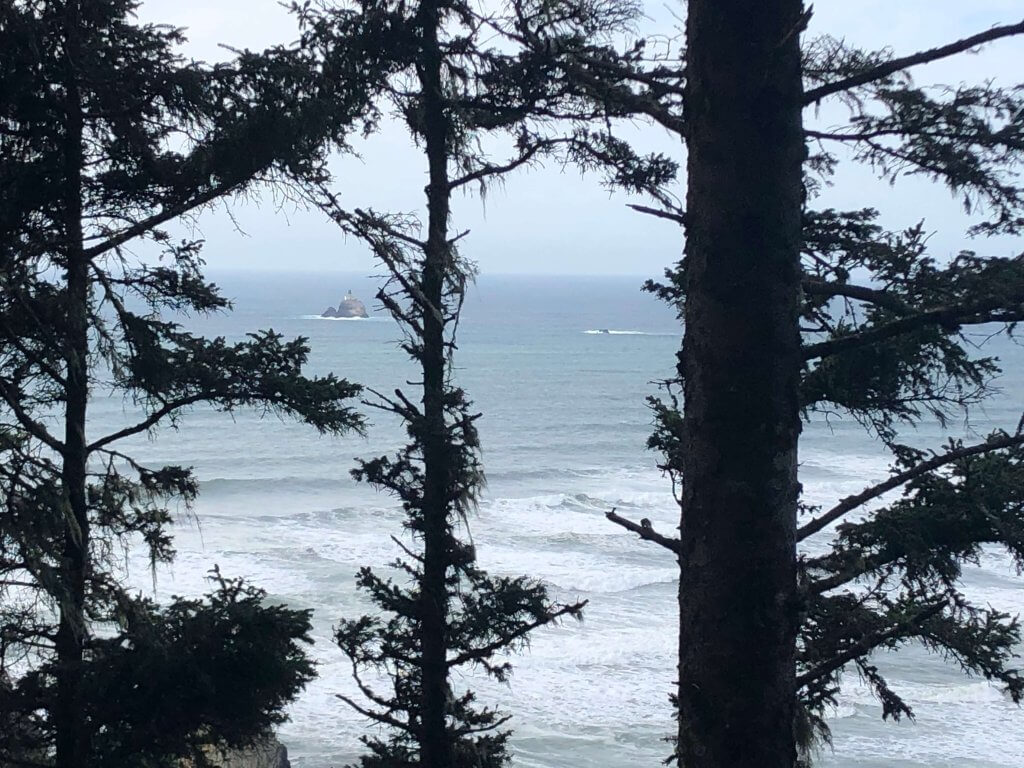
x: 842, y: 711
x: 961, y: 693
x: 346, y: 319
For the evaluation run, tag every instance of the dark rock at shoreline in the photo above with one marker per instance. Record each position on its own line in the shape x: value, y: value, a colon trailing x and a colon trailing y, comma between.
x: 268, y: 753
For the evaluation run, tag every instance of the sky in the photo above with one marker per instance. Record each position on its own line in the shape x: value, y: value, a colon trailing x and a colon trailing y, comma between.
x: 553, y: 220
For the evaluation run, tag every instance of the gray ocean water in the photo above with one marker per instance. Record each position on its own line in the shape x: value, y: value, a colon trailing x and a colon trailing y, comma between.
x: 563, y: 434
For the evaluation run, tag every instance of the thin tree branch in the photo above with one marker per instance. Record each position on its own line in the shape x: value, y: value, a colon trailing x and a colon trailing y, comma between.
x: 865, y: 645
x: 380, y: 717
x: 992, y: 310
x: 924, y: 57
x: 486, y: 651
x: 150, y: 421
x: 870, y: 137
x: 821, y: 586
x: 34, y: 358
x: 409, y: 552
x: 30, y: 425
x: 860, y: 292
x: 162, y: 217
x: 896, y: 65
x: 645, y: 531
x: 468, y: 730
x: 487, y: 170
x: 407, y: 412
x: 851, y: 503
x: 678, y: 218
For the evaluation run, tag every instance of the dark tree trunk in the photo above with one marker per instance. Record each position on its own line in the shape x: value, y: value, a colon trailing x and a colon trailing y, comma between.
x: 435, y: 746
x: 69, y: 715
x: 741, y: 365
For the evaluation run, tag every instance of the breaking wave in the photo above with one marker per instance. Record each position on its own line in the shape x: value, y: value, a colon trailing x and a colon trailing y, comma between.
x: 346, y: 319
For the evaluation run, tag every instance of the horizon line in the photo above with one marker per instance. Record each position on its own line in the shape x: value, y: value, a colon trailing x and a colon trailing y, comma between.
x: 366, y: 275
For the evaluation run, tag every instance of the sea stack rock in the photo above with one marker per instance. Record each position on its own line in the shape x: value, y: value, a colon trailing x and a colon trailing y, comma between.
x: 265, y: 753
x: 350, y: 306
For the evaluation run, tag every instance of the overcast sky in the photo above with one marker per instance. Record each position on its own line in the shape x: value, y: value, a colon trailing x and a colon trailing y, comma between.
x: 552, y: 220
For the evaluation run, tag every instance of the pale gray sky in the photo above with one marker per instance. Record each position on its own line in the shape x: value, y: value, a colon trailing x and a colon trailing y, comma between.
x: 552, y: 220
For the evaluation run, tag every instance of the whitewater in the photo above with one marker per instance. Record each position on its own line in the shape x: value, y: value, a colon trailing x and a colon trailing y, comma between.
x: 563, y: 432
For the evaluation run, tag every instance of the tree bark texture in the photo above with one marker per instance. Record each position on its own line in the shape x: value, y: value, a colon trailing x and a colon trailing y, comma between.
x: 741, y: 365
x: 72, y: 740
x: 435, y: 745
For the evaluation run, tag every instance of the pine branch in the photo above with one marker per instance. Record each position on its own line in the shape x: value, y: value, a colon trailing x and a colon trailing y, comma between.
x: 851, y: 503
x: 991, y: 310
x: 470, y: 730
x: 524, y: 157
x: 880, y: 298
x: 15, y: 340
x: 579, y: 68
x: 366, y: 690
x: 866, y: 645
x: 363, y: 223
x: 486, y: 651
x: 167, y: 214
x: 879, y: 133
x: 657, y: 79
x: 380, y: 717
x: 150, y: 421
x: 645, y: 531
x: 407, y: 410
x: 44, y: 329
x: 418, y: 558
x: 30, y: 425
x: 924, y: 57
x: 374, y: 231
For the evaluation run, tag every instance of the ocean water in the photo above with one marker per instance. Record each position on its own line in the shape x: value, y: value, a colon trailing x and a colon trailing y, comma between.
x: 563, y: 435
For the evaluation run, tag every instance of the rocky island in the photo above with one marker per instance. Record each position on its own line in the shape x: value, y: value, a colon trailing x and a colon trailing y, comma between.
x: 349, y: 307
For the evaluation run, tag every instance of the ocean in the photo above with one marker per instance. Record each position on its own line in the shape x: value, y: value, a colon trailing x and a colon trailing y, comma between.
x: 563, y: 430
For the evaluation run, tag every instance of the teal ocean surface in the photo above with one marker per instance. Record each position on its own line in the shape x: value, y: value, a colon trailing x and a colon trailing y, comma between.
x: 563, y: 430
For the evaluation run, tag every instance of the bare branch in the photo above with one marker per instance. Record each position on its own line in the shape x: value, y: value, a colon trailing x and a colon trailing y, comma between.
x: 675, y: 216
x: 645, y: 531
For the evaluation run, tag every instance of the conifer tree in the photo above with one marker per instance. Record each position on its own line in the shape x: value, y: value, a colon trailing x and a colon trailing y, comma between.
x: 459, y: 73
x: 885, y: 340
x: 106, y: 134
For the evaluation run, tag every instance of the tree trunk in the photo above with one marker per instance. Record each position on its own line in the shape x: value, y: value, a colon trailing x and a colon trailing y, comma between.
x: 435, y: 746
x: 741, y: 365
x: 72, y: 740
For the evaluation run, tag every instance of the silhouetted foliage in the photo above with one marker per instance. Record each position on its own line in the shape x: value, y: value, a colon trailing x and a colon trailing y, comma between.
x: 886, y: 341
x: 106, y: 133
x: 459, y: 73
